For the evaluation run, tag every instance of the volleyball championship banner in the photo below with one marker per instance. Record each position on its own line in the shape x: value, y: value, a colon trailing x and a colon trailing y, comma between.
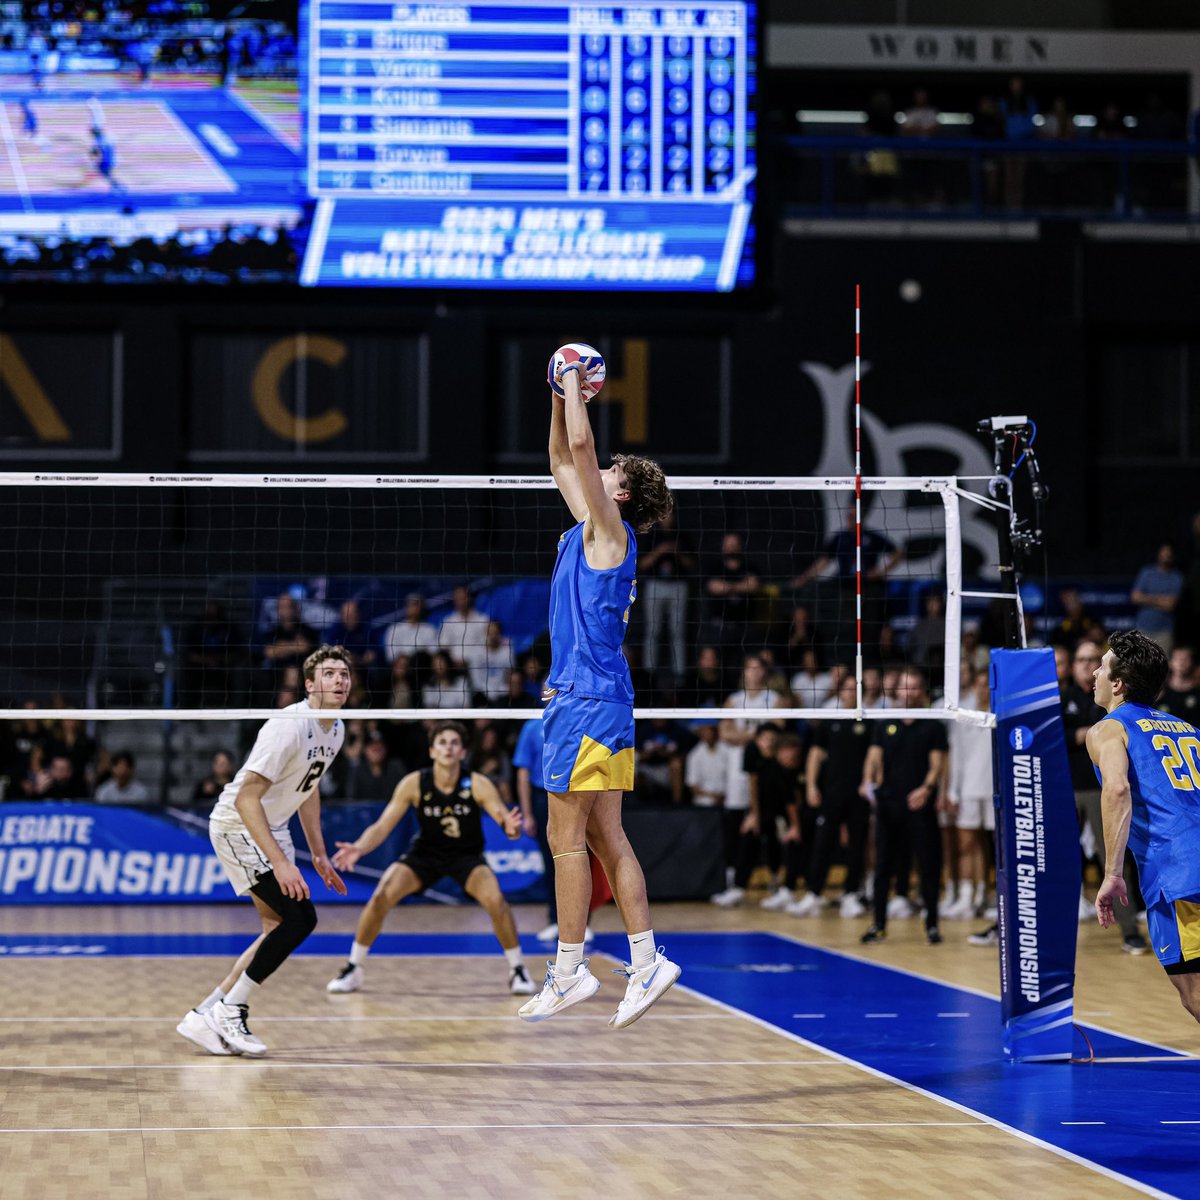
x: 1037, y: 857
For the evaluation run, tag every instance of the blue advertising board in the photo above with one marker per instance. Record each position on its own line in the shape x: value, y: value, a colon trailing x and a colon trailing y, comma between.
x: 100, y: 854
x: 1037, y: 857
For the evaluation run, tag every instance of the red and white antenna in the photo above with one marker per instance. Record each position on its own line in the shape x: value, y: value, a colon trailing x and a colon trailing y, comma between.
x: 858, y: 653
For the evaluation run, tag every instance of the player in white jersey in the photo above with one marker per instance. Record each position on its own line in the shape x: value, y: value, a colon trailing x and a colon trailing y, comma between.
x: 249, y: 831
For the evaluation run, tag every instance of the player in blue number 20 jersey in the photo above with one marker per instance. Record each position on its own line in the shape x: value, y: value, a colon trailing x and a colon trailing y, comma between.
x: 1148, y: 763
x: 588, y: 724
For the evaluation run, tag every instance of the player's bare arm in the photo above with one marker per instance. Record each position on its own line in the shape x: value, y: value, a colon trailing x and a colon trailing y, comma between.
x: 812, y: 774
x: 872, y: 773
x: 562, y: 465
x: 310, y: 821
x: 250, y: 808
x: 1108, y: 746
x: 407, y: 793
x: 604, y: 538
x: 488, y: 798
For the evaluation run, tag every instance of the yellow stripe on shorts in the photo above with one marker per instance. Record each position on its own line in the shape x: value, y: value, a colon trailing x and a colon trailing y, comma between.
x: 598, y: 769
x: 1187, y: 917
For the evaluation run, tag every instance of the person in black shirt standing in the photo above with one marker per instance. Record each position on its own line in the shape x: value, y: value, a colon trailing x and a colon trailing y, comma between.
x: 901, y: 774
x: 834, y: 768
x: 449, y: 843
x: 665, y: 564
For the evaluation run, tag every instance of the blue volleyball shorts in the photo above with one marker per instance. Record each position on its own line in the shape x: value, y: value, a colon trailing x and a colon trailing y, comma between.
x: 589, y: 745
x: 1173, y: 927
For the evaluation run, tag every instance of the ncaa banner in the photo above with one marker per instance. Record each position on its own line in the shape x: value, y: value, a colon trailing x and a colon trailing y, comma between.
x: 1037, y: 857
x: 100, y: 854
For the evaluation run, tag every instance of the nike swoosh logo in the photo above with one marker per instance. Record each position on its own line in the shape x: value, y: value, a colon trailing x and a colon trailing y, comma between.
x: 1164, y: 949
x: 559, y: 775
x: 646, y: 983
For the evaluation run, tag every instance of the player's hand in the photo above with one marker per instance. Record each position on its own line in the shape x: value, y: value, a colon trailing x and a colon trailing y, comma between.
x: 918, y: 798
x: 512, y: 824
x: 1111, y: 890
x: 291, y: 882
x: 790, y: 834
x: 346, y: 857
x: 749, y: 824
x: 529, y: 824
x: 333, y: 881
x: 577, y: 365
x: 813, y: 796
x: 866, y: 790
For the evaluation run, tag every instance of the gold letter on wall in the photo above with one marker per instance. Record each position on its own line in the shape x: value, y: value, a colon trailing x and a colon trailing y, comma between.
x: 264, y: 388
x: 629, y: 390
x: 28, y: 393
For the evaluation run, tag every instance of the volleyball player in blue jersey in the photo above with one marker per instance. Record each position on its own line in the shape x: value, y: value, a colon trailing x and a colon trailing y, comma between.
x: 1149, y: 768
x: 588, y: 757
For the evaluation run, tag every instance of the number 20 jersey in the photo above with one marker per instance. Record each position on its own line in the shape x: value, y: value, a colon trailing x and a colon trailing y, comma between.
x: 1164, y: 784
x: 293, y: 754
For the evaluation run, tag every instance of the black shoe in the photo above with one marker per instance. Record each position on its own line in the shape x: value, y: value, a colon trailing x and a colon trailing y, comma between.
x: 933, y: 935
x: 875, y: 934
x: 985, y: 937
x: 1134, y: 944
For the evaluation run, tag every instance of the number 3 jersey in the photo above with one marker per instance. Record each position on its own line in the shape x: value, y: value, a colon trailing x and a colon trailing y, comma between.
x: 450, y: 822
x: 293, y: 754
x: 1164, y: 784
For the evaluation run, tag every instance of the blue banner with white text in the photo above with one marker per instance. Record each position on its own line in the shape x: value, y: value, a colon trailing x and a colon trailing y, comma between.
x: 100, y: 854
x: 1037, y: 857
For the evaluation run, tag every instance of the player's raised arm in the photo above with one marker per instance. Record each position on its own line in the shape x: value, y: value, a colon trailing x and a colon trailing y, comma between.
x: 602, y: 504
x: 1107, y: 744
x: 488, y: 798
x: 407, y: 793
x: 562, y: 465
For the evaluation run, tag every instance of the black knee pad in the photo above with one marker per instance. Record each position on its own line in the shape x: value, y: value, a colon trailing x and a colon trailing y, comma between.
x: 297, y: 919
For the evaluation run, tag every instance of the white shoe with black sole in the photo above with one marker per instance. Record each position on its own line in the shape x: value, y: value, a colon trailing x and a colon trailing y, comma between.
x: 348, y: 979
x: 228, y: 1021
x: 519, y: 982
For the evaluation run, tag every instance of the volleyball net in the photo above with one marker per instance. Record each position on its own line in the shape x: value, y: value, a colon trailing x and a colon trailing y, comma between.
x: 173, y: 612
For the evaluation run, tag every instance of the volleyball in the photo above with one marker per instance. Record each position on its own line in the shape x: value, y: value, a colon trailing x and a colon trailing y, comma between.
x: 591, y: 378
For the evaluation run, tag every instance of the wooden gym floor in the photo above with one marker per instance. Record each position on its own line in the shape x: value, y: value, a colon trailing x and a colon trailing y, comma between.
x: 425, y: 1084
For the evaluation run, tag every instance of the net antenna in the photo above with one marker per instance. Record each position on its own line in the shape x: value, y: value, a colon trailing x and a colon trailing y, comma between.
x: 1017, y: 537
x: 858, y: 641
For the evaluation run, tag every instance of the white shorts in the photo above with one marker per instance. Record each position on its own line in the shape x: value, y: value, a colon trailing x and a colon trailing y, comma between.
x: 976, y: 812
x: 243, y: 861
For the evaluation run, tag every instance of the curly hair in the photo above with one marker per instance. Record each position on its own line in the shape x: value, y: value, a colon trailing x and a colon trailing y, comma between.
x: 1140, y: 664
x: 650, y: 499
x: 320, y: 654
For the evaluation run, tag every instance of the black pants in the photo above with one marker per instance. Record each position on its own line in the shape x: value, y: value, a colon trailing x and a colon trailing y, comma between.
x: 842, y: 808
x: 765, y: 846
x: 899, y: 831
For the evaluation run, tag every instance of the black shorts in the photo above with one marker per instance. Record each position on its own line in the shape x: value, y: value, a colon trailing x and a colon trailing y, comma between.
x: 430, y: 865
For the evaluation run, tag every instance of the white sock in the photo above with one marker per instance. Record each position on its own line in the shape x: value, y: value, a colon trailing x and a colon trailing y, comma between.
x: 209, y: 1000
x: 358, y: 954
x: 514, y: 957
x: 241, y: 991
x: 570, y: 955
x: 641, y: 949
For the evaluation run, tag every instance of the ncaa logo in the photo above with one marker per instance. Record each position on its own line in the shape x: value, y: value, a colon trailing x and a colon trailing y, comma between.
x: 1021, y: 738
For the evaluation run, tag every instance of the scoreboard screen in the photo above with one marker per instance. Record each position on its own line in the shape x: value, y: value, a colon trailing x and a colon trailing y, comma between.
x: 530, y: 145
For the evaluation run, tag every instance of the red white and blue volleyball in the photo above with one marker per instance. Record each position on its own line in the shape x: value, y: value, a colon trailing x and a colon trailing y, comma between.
x: 591, y: 378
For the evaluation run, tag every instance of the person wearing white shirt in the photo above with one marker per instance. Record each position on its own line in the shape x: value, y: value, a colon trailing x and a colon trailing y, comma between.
x: 706, y: 769
x: 464, y: 628
x: 121, y: 787
x: 249, y: 831
x: 412, y: 636
x: 810, y: 685
x: 488, y: 666
x: 445, y: 688
x: 969, y: 791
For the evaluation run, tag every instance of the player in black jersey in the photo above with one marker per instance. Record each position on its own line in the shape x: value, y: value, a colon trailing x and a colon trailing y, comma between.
x: 448, y: 843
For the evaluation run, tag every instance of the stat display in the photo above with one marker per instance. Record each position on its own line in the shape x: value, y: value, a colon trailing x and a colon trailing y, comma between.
x: 534, y: 145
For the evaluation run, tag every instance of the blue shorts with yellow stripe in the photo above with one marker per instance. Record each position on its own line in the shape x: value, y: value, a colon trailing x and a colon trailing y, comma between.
x: 1173, y: 927
x: 589, y: 745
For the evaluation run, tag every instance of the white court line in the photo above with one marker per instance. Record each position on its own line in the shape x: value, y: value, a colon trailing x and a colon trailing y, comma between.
x: 1179, y: 1122
x: 880, y: 1016
x: 795, y: 1017
x: 1083, y: 1122
x: 954, y: 1014
x: 1145, y: 1189
x: 14, y: 156
x: 215, y: 1062
x: 528, y: 1125
x: 962, y: 987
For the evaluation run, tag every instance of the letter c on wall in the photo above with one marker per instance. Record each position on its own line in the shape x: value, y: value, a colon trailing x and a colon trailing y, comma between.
x: 264, y: 388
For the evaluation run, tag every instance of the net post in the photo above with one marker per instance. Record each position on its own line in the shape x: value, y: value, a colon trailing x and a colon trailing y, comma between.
x: 951, y: 673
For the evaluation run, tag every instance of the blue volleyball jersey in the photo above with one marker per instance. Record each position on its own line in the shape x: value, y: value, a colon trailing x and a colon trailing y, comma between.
x: 589, y: 614
x: 1164, y: 782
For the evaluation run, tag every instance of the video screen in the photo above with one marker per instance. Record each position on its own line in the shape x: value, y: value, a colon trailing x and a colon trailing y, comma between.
x: 366, y: 143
